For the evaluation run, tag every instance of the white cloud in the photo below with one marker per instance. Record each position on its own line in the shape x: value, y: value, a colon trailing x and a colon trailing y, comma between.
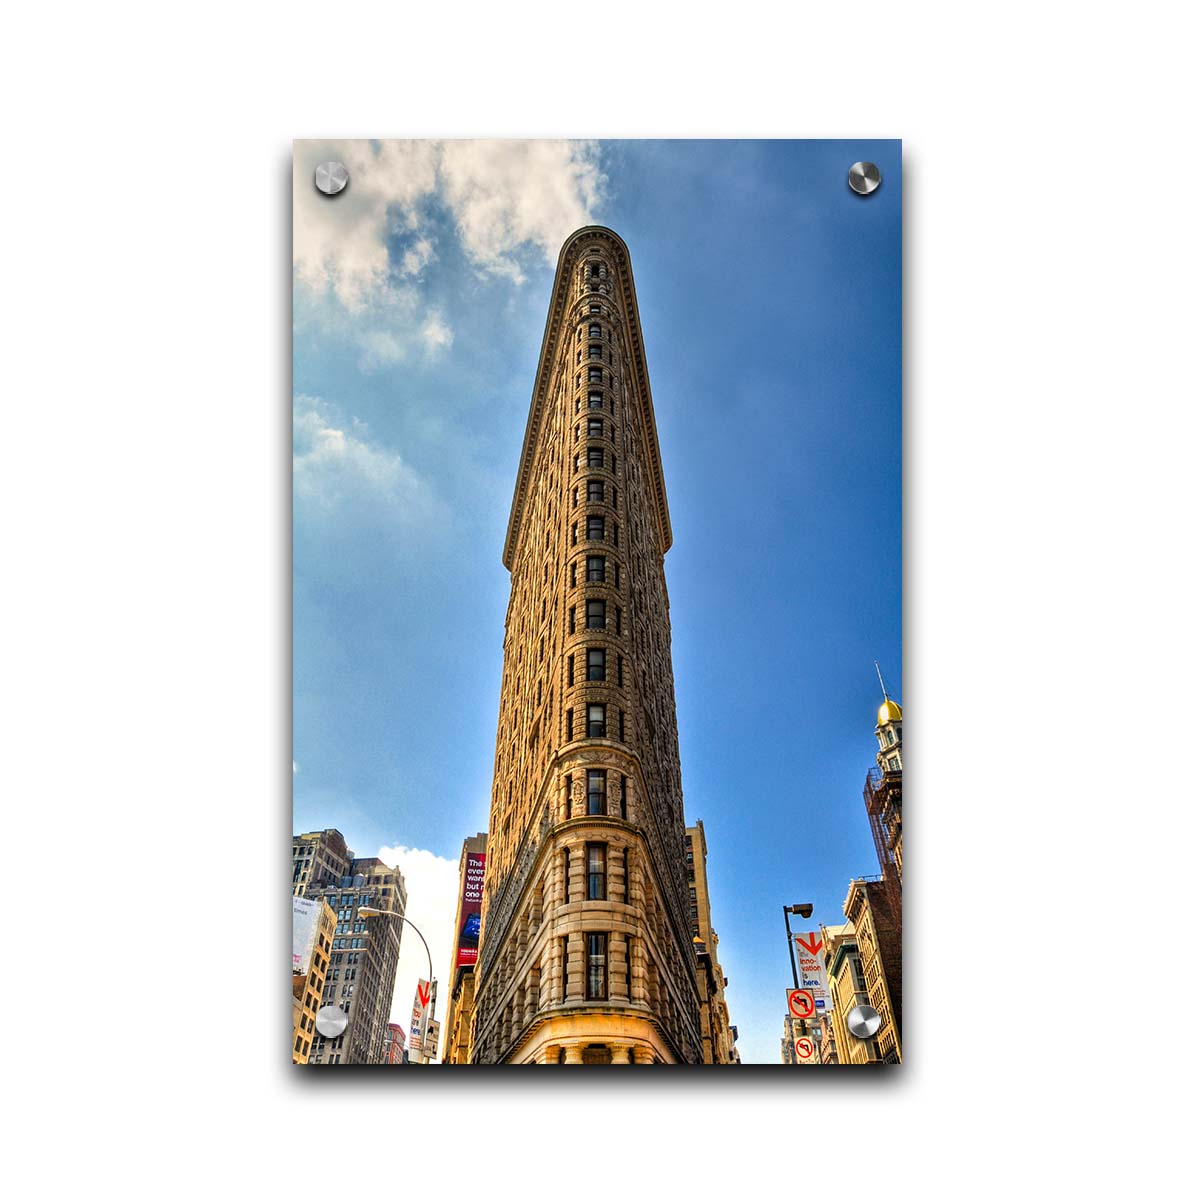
x: 502, y: 196
x: 432, y: 884
x: 334, y: 466
x: 505, y: 195
x: 338, y: 242
x: 436, y: 334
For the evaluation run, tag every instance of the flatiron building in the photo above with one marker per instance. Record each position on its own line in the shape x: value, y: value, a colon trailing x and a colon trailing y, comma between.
x: 586, y: 948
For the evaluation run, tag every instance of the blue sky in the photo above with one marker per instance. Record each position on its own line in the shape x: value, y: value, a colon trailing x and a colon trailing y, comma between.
x: 770, y: 305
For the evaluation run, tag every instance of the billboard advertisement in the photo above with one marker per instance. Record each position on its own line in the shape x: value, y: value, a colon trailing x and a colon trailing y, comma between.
x: 305, y: 916
x: 472, y: 901
x: 812, y: 967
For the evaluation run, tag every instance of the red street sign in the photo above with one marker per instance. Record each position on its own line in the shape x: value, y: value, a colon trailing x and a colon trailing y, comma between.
x: 423, y: 995
x: 805, y: 1049
x: 801, y: 1002
x: 812, y: 944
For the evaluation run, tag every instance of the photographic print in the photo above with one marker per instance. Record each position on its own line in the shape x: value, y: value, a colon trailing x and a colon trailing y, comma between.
x: 597, y: 725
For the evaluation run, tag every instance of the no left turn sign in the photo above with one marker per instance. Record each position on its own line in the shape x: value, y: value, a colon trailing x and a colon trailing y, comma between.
x: 801, y: 1002
x: 805, y: 1049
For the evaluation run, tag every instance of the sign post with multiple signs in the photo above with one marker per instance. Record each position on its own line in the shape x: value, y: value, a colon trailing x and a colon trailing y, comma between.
x: 420, y: 1020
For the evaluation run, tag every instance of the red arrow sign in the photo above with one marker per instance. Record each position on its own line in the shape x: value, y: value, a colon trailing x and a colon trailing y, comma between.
x: 804, y: 1048
x: 423, y: 994
x: 812, y: 945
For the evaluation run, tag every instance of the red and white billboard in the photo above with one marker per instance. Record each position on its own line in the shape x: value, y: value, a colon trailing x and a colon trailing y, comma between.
x: 472, y: 902
x: 810, y: 956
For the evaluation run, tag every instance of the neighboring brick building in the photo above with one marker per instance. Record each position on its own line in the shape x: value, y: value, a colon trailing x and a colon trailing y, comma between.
x: 460, y: 1009
x: 878, y: 939
x: 394, y: 1053
x: 715, y: 1030
x: 365, y: 951
x: 317, y: 922
x: 586, y: 952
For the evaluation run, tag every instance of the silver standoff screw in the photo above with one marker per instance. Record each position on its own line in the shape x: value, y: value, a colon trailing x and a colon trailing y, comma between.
x: 863, y: 1021
x: 864, y: 178
x: 331, y: 178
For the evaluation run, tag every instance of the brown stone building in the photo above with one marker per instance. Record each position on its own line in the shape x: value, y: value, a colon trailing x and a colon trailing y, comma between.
x: 717, y: 1034
x: 847, y: 990
x: 365, y: 950
x: 316, y: 922
x: 878, y: 938
x: 586, y: 953
x: 460, y: 1010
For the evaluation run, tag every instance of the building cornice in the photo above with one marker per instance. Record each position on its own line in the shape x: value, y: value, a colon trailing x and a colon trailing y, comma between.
x: 543, y: 381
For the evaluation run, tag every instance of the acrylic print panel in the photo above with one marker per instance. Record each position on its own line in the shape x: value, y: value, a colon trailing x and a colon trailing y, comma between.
x: 597, y: 591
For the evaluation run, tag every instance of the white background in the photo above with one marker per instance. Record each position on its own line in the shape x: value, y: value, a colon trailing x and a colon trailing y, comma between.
x: 1050, y: 673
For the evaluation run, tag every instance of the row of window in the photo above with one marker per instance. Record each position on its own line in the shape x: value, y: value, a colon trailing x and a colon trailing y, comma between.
x: 597, y: 795
x: 595, y: 458
x: 595, y: 493
x: 596, y: 724
x: 595, y: 429
x: 597, y: 667
x: 595, y: 530
x: 595, y: 572
x: 595, y: 614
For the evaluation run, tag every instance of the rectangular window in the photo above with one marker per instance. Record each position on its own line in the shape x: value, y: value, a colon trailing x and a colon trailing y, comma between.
x: 596, y: 792
x: 595, y: 400
x: 620, y: 671
x: 625, y: 814
x: 618, y: 619
x: 593, y: 331
x: 595, y: 375
x: 595, y: 720
x: 616, y: 534
x: 595, y: 666
x: 595, y: 457
x: 566, y: 797
x: 572, y: 574
x: 595, y: 352
x: 566, y: 958
x: 597, y: 884
x: 574, y: 497
x: 595, y: 427
x: 617, y: 573
x: 595, y: 529
x: 570, y: 723
x: 595, y: 492
x: 570, y: 670
x: 595, y: 568
x: 595, y: 308
x: 621, y: 724
x: 574, y: 534
x: 597, y: 966
x: 571, y: 620
x: 595, y: 614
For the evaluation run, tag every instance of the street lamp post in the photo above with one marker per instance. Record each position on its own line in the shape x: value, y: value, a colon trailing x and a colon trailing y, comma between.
x: 800, y: 910
x: 379, y: 912
x: 805, y: 911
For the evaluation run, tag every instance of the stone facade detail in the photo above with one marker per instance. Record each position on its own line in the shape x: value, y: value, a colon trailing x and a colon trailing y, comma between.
x: 586, y: 951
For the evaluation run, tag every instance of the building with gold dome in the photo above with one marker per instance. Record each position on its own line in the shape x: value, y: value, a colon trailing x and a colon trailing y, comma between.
x: 873, y: 905
x: 586, y: 952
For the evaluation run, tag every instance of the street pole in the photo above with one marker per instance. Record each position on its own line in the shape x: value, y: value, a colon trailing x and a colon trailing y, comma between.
x: 791, y: 955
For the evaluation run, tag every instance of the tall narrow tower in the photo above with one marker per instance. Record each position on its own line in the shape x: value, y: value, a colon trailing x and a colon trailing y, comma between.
x: 586, y: 947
